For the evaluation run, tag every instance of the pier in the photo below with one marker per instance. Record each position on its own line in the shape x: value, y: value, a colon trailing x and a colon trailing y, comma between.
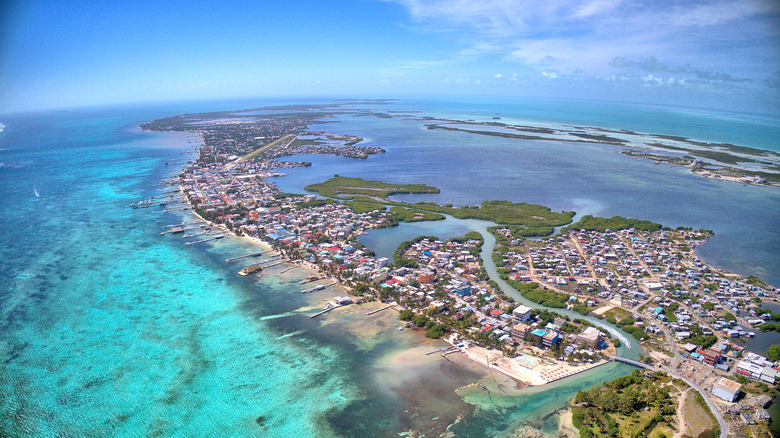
x: 254, y: 254
x: 205, y: 240
x: 176, y: 230
x: 452, y: 350
x: 182, y: 225
x: 320, y: 287
x: 325, y: 310
x: 371, y: 312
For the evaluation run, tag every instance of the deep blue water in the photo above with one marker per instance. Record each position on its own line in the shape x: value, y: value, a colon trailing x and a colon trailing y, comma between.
x: 109, y: 329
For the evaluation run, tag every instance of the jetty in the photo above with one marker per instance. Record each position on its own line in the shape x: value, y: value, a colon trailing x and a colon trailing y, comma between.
x: 177, y: 230
x: 309, y: 278
x: 320, y: 287
x: 205, y: 240
x: 182, y: 225
x: 253, y: 254
x: 371, y: 312
x: 331, y: 305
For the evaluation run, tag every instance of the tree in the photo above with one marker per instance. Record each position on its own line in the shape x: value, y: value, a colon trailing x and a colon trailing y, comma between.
x: 774, y: 353
x: 419, y: 320
x: 406, y: 315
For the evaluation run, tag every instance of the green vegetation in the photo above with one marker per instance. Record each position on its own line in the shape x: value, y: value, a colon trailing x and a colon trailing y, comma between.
x: 314, y: 203
x: 400, y: 214
x: 765, y: 327
x: 506, y: 213
x: 531, y: 291
x: 774, y: 353
x: 360, y: 207
x: 592, y: 223
x: 349, y: 188
x: 629, y: 406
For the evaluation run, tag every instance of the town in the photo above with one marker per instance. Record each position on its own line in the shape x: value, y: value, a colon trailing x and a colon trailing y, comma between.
x: 691, y: 319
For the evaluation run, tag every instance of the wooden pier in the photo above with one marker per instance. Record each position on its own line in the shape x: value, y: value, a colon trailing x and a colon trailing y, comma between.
x: 324, y: 311
x: 205, y: 240
x: 371, y: 312
x: 254, y: 254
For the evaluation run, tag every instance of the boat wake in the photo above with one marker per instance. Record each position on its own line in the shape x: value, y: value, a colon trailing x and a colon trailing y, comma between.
x: 286, y: 335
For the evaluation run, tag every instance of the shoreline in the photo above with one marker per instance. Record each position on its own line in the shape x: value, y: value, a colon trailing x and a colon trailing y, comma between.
x: 508, y: 366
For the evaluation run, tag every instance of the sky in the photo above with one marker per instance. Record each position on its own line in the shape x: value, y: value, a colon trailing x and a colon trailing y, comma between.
x: 709, y: 54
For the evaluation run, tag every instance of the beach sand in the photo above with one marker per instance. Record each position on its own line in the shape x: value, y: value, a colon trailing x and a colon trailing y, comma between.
x: 528, y: 369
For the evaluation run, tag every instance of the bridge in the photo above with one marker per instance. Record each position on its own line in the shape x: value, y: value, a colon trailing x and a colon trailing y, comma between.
x: 724, y: 429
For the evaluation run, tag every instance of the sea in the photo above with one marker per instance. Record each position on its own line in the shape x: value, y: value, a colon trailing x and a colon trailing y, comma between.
x: 108, y: 328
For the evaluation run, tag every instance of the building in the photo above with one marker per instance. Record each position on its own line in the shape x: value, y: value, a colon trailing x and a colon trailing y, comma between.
x: 521, y: 314
x: 536, y: 336
x: 762, y: 415
x: 521, y: 331
x: 426, y: 277
x: 711, y: 357
x: 726, y: 389
x: 749, y: 369
x: 550, y: 338
x: 590, y: 336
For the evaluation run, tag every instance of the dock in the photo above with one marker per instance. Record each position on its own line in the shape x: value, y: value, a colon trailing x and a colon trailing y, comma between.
x: 320, y: 287
x: 325, y: 310
x: 176, y: 230
x: 253, y: 254
x: 371, y: 312
x: 205, y: 240
x: 181, y: 225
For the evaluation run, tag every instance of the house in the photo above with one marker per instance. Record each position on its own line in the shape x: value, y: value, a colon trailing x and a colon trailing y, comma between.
x: 726, y: 389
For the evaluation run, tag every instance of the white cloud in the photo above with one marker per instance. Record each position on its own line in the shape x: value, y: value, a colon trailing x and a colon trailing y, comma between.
x: 551, y: 75
x: 567, y: 35
x: 498, y: 76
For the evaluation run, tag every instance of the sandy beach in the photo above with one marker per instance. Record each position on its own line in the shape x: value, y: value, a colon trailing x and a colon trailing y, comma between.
x: 528, y: 369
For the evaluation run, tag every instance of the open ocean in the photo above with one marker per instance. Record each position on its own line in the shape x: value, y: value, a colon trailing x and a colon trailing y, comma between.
x: 109, y: 329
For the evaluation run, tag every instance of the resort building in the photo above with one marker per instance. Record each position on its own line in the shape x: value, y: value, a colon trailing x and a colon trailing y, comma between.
x: 590, y: 336
x: 521, y: 314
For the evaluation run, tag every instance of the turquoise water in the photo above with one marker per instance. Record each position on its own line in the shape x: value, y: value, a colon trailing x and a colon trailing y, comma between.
x: 109, y: 329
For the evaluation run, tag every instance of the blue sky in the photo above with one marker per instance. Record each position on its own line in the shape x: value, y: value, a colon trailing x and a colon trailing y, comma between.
x: 722, y: 54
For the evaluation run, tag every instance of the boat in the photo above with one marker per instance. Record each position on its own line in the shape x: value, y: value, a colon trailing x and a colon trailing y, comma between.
x: 321, y: 287
x: 251, y: 269
x: 482, y: 387
x: 400, y: 329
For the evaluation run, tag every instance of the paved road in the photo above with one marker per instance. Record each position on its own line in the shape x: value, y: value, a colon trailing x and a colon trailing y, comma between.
x: 724, y: 429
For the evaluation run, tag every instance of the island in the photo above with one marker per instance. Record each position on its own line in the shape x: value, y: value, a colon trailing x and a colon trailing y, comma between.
x: 637, y: 276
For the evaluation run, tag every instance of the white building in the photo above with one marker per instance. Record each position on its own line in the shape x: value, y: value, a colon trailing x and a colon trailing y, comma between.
x: 521, y: 314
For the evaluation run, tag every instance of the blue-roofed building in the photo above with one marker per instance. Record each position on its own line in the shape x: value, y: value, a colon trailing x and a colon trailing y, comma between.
x: 273, y: 236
